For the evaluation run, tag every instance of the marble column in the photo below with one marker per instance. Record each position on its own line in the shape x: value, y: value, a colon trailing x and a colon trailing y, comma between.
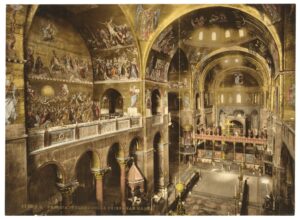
x: 99, y: 190
x: 99, y: 175
x: 234, y: 150
x: 122, y: 163
x: 202, y: 110
x: 213, y: 150
x: 244, y: 154
x: 265, y: 99
x: 66, y: 191
x: 214, y: 121
x: 161, y: 165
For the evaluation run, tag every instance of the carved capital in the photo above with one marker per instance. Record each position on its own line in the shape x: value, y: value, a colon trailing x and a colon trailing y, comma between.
x: 123, y: 160
x: 124, y: 144
x: 99, y: 173
x: 67, y: 188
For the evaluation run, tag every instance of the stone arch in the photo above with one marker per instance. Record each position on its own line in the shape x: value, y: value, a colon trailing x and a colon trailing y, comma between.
x: 30, y: 15
x: 207, y: 64
x: 179, y: 63
x: 260, y: 81
x: 117, y: 151
x: 95, y: 158
x: 85, y: 192
x: 46, y: 176
x: 237, y: 125
x: 238, y: 112
x: 156, y: 100
x: 134, y: 146
x: 111, y: 181
x: 34, y: 8
x: 112, y: 103
x: 135, y: 152
x: 248, y: 10
x: 60, y: 169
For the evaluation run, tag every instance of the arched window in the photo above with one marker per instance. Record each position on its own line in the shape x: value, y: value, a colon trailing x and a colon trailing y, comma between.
x: 227, y: 34
x: 213, y: 36
x: 111, y: 104
x: 241, y: 33
x: 156, y: 102
x: 201, y: 35
x: 222, y: 98
x: 133, y: 148
x: 173, y: 101
x: 238, y: 98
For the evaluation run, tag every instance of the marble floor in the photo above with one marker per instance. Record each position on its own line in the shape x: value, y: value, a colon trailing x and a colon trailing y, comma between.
x: 214, y: 193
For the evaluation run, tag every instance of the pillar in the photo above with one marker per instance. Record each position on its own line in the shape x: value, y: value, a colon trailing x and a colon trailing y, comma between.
x: 213, y: 150
x: 161, y: 160
x: 265, y: 99
x: 214, y: 121
x: 99, y: 175
x: 99, y: 190
x: 204, y: 148
x: 66, y: 191
x: 202, y: 108
x: 244, y: 153
x: 16, y: 149
x: 234, y: 151
x: 122, y: 163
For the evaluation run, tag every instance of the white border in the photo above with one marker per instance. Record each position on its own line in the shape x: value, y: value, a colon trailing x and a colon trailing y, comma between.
x: 2, y: 93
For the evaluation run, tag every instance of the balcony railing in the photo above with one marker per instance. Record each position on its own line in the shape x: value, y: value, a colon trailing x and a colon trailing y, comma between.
x: 41, y: 139
x: 157, y: 119
x: 236, y: 139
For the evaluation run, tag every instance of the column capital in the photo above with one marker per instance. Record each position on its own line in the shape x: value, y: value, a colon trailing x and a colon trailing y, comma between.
x: 123, y: 160
x: 67, y: 188
x: 99, y: 172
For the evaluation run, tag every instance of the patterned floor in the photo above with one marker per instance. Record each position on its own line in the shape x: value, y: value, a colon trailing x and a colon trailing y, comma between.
x: 214, y: 193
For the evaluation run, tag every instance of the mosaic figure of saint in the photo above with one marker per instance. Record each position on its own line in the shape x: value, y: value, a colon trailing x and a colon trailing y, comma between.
x: 134, y: 96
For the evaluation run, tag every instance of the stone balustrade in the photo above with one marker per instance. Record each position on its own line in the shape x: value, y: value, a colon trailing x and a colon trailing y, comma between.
x: 135, y: 122
x: 236, y: 139
x: 45, y: 138
x: 108, y: 126
x: 157, y: 119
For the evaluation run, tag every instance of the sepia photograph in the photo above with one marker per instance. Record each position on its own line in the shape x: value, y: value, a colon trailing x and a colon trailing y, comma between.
x: 149, y: 109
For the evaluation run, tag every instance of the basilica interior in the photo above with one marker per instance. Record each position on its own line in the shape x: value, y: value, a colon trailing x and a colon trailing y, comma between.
x: 150, y: 109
